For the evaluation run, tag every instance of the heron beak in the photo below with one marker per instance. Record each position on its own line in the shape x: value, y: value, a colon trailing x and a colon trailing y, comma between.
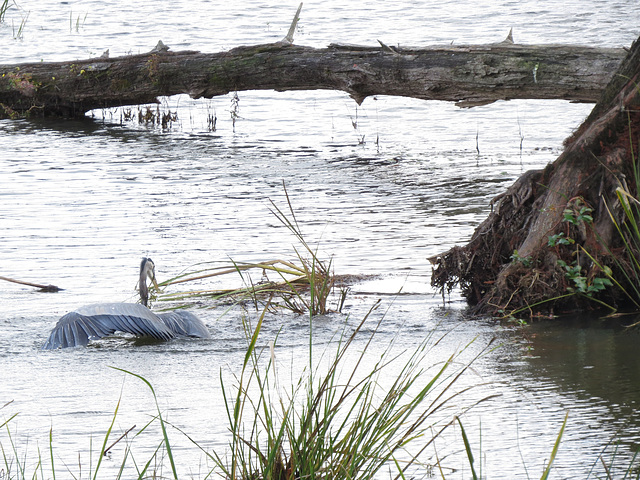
x: 153, y: 279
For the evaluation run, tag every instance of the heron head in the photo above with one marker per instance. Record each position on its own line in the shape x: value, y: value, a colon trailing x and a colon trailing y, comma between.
x: 147, y: 270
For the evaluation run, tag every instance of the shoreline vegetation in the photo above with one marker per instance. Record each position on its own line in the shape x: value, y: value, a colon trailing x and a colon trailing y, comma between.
x: 335, y: 423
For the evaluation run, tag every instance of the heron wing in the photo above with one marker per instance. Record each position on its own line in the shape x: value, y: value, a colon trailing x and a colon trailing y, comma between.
x: 185, y: 324
x: 97, y: 321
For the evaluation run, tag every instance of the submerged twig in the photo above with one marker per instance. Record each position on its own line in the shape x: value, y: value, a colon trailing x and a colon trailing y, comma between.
x: 43, y: 288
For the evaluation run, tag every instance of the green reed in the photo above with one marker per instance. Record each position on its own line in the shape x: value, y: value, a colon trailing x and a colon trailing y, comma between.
x: 340, y: 423
x: 19, y: 33
x: 4, y: 6
x: 336, y: 424
x: 78, y: 23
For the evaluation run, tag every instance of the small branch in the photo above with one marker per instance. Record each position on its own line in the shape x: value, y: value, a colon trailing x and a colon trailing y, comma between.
x: 289, y: 37
x: 106, y: 450
x: 509, y: 38
x: 43, y: 288
x: 387, y: 48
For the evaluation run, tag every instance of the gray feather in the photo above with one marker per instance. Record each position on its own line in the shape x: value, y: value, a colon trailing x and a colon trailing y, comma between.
x: 185, y: 324
x: 96, y: 321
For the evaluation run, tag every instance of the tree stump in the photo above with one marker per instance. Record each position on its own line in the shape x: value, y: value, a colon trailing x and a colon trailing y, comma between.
x: 562, y: 213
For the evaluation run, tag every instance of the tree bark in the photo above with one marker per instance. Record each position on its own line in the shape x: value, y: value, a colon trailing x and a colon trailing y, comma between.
x: 511, y: 262
x: 469, y: 75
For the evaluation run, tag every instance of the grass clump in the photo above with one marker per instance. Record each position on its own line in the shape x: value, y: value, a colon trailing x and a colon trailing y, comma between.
x: 300, y: 286
x: 341, y: 423
x: 5, y: 6
x: 338, y: 423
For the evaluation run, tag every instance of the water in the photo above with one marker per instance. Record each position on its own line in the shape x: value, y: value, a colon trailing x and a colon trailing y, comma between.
x: 379, y: 188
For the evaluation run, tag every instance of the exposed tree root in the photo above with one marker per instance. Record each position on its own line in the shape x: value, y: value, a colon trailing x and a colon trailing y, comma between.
x: 514, y: 261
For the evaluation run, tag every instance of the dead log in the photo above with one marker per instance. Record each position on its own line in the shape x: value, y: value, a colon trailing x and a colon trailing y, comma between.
x: 511, y: 262
x: 468, y: 75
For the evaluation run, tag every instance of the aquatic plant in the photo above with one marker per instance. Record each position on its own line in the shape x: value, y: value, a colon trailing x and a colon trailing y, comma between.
x: 150, y: 117
x: 19, y: 33
x: 18, y: 466
x: 317, y: 272
x: 5, y: 5
x: 629, y: 231
x: 300, y: 288
x: 163, y: 426
x: 234, y: 111
x: 78, y: 23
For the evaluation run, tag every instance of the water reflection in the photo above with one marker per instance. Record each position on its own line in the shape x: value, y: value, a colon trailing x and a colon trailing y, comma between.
x: 597, y: 358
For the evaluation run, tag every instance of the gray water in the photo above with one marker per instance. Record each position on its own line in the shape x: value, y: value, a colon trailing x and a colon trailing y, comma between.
x: 378, y: 188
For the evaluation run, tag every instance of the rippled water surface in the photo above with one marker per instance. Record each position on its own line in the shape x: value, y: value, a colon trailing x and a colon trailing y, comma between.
x: 378, y: 188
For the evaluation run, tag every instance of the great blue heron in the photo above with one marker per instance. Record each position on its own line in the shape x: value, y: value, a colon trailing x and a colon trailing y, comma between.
x: 96, y: 321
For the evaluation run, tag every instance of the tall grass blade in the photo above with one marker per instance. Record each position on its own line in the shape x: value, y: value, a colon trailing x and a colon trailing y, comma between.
x: 53, y: 468
x: 165, y: 436
x: 254, y: 337
x: 554, y: 452
x: 6, y: 422
x: 106, y: 439
x: 467, y: 448
x: 4, y: 6
x: 628, y: 229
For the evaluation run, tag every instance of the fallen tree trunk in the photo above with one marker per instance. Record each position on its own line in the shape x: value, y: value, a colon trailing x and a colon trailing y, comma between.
x: 553, y: 234
x: 469, y: 75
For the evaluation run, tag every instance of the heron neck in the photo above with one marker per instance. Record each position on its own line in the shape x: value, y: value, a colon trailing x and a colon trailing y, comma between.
x: 144, y: 291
